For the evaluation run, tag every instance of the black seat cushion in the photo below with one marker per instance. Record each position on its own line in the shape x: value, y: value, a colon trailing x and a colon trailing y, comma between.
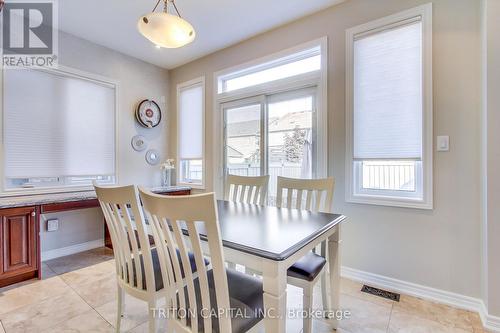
x: 245, y: 298
x: 307, y: 267
x: 157, y: 269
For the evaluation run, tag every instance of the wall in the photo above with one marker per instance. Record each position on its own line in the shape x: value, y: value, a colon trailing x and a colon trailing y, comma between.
x: 138, y: 81
x: 438, y: 248
x: 491, y: 129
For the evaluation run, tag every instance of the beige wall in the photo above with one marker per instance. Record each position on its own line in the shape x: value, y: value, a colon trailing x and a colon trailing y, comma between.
x: 438, y: 248
x: 138, y: 80
x: 492, y: 177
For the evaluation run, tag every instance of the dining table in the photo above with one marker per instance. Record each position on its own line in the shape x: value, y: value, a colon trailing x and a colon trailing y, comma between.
x: 269, y: 240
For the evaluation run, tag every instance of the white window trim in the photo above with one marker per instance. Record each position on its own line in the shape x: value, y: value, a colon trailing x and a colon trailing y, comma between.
x: 181, y: 86
x: 317, y: 78
x: 425, y: 12
x: 69, y: 72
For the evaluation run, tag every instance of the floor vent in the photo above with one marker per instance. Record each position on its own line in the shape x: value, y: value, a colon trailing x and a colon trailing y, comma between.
x: 381, y: 293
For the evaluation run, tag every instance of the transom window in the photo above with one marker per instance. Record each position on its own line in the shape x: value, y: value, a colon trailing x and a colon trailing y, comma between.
x: 296, y: 64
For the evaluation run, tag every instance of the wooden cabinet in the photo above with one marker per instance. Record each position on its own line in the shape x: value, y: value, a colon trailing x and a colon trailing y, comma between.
x: 19, y: 253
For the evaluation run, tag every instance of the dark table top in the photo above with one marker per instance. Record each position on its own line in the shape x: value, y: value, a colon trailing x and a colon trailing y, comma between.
x: 270, y: 232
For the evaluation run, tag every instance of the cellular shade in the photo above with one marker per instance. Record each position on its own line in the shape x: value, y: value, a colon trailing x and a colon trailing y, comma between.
x: 191, y: 122
x: 57, y: 125
x: 388, y: 94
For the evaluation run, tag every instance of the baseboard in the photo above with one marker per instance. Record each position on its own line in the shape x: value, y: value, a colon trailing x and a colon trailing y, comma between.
x: 66, y: 251
x: 490, y: 322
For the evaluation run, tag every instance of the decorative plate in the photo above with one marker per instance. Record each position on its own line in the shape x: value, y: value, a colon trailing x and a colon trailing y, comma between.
x: 153, y: 157
x: 148, y: 113
x: 139, y: 143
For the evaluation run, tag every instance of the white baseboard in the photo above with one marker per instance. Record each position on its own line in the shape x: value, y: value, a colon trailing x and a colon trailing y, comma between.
x: 66, y: 251
x: 490, y: 322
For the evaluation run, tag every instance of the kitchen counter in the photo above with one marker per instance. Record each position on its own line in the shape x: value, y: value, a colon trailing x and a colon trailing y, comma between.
x: 45, y: 199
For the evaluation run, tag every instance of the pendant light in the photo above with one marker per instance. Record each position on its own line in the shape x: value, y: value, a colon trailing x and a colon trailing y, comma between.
x: 165, y: 29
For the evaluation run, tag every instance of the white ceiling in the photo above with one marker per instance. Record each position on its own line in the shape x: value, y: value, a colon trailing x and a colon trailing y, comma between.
x: 218, y: 24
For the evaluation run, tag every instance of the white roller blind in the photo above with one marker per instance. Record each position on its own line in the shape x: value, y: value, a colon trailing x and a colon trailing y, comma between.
x: 191, y: 122
x: 388, y: 94
x: 57, y: 125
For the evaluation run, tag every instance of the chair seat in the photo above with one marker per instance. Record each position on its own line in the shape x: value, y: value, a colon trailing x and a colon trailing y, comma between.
x: 157, y: 269
x: 308, y: 267
x: 246, y: 299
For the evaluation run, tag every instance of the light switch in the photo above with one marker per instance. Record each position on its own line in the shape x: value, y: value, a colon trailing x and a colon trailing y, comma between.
x: 443, y: 143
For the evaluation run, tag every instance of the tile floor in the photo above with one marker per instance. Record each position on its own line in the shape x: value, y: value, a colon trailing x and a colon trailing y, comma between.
x: 78, y: 294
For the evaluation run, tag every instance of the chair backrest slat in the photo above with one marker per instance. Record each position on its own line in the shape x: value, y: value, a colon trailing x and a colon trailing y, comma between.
x: 128, y: 231
x: 319, y: 193
x: 246, y: 189
x: 183, y: 220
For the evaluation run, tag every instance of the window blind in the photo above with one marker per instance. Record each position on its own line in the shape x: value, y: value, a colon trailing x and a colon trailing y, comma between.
x: 191, y: 122
x: 388, y: 93
x: 57, y: 125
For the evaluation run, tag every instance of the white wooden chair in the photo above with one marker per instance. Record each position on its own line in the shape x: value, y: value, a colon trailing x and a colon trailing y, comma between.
x: 137, y: 265
x: 246, y: 189
x: 188, y: 221
x: 313, y: 195
x: 249, y: 190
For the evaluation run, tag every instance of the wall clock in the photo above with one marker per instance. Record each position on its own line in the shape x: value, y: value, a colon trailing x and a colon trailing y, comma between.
x: 148, y: 113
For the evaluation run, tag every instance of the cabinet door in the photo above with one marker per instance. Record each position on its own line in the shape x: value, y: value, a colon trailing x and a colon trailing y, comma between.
x: 18, y: 241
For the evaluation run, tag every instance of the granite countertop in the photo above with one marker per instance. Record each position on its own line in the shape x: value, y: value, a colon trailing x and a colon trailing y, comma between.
x: 41, y: 199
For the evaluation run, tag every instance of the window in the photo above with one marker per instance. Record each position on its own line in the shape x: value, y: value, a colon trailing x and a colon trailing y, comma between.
x: 283, y: 148
x: 275, y: 129
x: 59, y: 130
x: 389, y: 94
x: 191, y: 127
x: 285, y: 67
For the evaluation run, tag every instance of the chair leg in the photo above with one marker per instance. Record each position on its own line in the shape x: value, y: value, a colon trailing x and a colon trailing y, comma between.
x: 120, y: 307
x: 307, y: 307
x: 152, y: 320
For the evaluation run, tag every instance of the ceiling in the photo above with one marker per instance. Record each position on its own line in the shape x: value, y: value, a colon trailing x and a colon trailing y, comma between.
x: 218, y: 24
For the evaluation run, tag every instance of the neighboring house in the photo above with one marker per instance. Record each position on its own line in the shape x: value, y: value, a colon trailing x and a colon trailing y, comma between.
x: 243, y: 137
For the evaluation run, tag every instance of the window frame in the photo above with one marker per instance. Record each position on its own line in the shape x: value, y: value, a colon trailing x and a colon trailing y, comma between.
x: 317, y: 78
x: 184, y: 85
x: 62, y: 188
x: 385, y: 197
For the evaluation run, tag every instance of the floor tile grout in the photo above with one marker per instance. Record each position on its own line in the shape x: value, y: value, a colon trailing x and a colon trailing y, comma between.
x: 390, y: 317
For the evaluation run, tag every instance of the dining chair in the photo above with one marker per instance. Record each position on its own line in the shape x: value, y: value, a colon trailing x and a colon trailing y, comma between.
x: 246, y: 189
x: 314, y: 195
x: 190, y: 223
x: 137, y: 261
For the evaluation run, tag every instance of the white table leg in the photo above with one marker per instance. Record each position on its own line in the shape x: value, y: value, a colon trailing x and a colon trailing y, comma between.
x: 274, y: 280
x: 334, y: 261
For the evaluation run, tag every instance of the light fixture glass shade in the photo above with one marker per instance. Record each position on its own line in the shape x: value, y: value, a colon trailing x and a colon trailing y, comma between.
x: 166, y: 30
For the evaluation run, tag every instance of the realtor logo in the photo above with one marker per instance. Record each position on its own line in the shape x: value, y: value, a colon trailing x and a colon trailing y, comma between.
x: 29, y: 33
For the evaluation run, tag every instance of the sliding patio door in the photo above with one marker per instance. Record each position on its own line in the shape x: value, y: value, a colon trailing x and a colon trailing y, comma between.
x: 271, y: 135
